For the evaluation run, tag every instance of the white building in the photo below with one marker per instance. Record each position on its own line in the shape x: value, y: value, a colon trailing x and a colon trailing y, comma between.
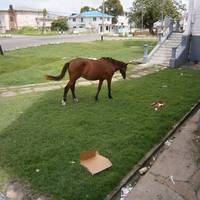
x: 193, y: 29
x: 90, y: 21
x: 23, y: 17
x: 123, y: 26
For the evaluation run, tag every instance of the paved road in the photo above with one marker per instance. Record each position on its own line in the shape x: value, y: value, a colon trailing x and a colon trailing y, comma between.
x: 28, y: 41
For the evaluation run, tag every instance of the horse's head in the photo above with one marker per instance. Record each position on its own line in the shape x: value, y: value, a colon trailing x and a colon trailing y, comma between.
x: 123, y: 69
x: 119, y: 65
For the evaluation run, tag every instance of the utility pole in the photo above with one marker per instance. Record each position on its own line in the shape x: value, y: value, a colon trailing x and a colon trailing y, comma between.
x: 103, y: 11
x: 142, y: 18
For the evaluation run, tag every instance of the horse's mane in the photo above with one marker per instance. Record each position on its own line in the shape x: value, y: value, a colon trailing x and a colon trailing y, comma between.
x: 113, y: 61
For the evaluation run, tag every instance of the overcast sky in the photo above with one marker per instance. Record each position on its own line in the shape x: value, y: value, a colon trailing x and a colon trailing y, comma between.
x: 62, y: 6
x: 67, y: 6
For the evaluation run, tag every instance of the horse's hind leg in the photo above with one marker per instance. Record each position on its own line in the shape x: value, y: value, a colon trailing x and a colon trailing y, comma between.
x: 99, y: 88
x: 66, y: 89
x: 73, y: 92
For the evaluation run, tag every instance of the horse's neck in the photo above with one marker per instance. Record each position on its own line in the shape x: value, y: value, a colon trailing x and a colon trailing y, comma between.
x: 116, y: 67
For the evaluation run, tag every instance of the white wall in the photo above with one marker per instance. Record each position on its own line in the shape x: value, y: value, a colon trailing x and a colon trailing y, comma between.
x: 24, y: 18
x: 196, y: 18
x: 89, y: 23
x: 27, y: 19
x: 4, y: 18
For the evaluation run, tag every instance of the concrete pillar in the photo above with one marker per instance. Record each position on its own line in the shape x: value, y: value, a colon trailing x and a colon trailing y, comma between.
x: 160, y: 37
x: 177, y: 29
x: 173, y: 57
x: 145, y: 59
x: 171, y: 25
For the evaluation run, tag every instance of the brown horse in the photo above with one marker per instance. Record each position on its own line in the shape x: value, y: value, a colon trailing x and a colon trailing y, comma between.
x: 90, y: 69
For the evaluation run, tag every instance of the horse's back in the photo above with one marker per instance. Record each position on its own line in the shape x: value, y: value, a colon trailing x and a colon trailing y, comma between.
x: 90, y: 69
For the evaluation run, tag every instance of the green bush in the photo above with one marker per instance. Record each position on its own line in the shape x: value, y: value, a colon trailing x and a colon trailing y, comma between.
x: 59, y: 24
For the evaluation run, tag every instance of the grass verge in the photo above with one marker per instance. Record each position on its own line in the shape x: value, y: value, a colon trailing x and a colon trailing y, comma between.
x: 26, y: 66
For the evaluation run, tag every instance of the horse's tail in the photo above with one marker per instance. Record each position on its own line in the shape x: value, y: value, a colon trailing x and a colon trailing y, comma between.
x: 59, y: 77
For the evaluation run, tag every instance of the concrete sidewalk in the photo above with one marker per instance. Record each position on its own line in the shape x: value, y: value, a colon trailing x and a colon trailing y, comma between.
x: 11, y: 91
x: 175, y: 175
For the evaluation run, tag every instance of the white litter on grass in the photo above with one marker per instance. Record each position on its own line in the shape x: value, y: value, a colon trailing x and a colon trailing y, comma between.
x: 72, y: 162
x: 37, y: 170
x: 125, y: 191
x: 164, y: 86
x: 172, y: 179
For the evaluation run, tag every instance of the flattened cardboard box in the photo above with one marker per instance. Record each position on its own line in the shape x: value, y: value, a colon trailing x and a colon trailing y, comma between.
x: 94, y: 162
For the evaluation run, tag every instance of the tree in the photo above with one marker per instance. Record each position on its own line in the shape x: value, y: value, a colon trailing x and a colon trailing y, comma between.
x: 59, y: 24
x: 87, y: 8
x: 114, y: 8
x: 145, y: 13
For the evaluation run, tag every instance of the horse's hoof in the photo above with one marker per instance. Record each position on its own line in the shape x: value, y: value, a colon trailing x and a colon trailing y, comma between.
x: 75, y: 100
x: 63, y: 102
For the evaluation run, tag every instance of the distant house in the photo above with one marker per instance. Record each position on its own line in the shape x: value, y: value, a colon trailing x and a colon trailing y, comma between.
x: 21, y: 17
x: 123, y: 26
x: 90, y: 21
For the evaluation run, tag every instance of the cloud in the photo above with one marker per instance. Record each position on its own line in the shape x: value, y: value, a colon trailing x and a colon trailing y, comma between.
x: 62, y: 6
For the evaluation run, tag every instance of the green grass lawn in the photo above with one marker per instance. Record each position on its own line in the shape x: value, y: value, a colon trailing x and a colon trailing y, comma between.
x: 29, y: 65
x: 36, y: 132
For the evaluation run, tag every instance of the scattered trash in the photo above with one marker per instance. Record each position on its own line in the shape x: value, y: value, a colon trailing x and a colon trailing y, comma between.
x: 2, y: 197
x: 197, y: 139
x: 125, y: 191
x: 157, y: 104
x: 168, y: 142
x: 94, y: 162
x: 172, y: 179
x: 181, y: 74
x: 164, y: 86
x: 72, y: 162
x: 143, y: 170
x: 37, y: 170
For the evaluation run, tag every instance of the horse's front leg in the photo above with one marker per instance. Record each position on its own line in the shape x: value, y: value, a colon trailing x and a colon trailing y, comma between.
x: 109, y: 88
x: 99, y: 88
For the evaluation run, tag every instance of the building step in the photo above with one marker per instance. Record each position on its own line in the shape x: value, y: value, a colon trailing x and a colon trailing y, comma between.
x: 159, y: 59
x: 162, y: 55
x: 165, y: 50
